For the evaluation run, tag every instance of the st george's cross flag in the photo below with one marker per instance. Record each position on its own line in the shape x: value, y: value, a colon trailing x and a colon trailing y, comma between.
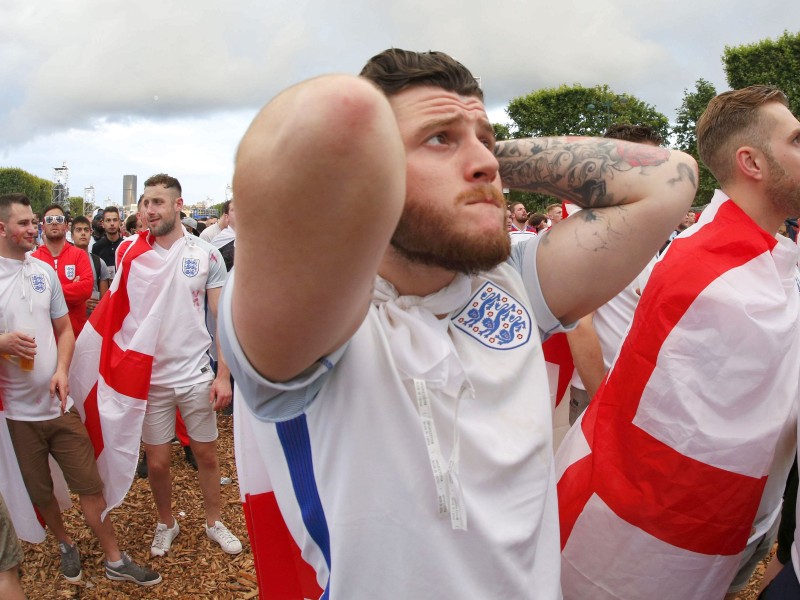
x: 110, y: 374
x: 661, y: 480
x: 280, y: 568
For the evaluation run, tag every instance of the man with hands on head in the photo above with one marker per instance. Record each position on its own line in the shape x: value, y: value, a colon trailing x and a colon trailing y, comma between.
x: 409, y: 313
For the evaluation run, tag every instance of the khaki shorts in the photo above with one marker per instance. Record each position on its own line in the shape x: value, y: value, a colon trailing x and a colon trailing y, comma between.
x: 10, y: 549
x: 195, y: 406
x: 64, y: 438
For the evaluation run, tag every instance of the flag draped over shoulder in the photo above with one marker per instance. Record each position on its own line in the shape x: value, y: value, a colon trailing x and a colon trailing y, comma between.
x: 661, y: 479
x: 281, y: 570
x: 110, y: 374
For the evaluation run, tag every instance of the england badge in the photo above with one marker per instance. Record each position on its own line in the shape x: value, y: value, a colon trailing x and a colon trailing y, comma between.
x: 38, y: 283
x: 190, y: 267
x: 495, y: 318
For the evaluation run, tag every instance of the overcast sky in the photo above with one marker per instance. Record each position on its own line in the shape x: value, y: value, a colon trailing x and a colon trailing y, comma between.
x: 148, y: 86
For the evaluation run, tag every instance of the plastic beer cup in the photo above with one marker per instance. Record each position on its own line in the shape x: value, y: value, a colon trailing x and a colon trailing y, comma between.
x: 26, y: 364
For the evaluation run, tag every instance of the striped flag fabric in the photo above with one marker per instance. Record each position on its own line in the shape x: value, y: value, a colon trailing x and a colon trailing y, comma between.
x: 662, y: 478
x: 111, y: 368
x: 282, y: 573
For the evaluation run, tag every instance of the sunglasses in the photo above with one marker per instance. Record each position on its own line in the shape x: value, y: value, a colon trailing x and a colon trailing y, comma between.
x: 50, y: 219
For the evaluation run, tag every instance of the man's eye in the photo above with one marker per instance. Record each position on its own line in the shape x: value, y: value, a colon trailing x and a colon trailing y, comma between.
x: 438, y: 139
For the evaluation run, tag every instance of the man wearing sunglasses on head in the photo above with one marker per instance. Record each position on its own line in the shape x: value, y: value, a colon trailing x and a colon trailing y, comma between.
x: 71, y: 264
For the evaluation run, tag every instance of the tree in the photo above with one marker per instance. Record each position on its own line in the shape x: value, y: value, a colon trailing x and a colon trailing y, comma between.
x: 77, y: 206
x: 501, y: 131
x: 769, y: 62
x: 39, y: 191
x: 575, y: 110
x: 693, y: 105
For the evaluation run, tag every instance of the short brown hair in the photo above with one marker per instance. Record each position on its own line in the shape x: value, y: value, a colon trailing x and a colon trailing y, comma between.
x: 641, y: 134
x: 395, y: 70
x: 6, y: 200
x: 165, y: 180
x: 80, y: 220
x: 53, y: 206
x: 733, y: 120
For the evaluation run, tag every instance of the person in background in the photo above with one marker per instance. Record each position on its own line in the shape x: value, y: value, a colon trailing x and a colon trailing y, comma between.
x: 73, y: 266
x: 101, y: 278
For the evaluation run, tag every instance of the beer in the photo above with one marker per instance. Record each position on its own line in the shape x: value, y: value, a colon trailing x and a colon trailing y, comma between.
x: 26, y: 364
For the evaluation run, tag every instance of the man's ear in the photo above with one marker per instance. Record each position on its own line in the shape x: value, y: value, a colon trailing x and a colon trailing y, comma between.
x: 750, y: 162
x: 179, y: 203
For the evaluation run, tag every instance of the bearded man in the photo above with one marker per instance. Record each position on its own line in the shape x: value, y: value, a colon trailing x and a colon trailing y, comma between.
x: 391, y: 367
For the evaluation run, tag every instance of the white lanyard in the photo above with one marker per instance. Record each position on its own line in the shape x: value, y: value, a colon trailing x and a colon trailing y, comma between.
x: 448, y: 485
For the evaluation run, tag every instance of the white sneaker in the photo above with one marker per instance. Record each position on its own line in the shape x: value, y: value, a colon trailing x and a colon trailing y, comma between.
x: 226, y: 540
x: 163, y: 539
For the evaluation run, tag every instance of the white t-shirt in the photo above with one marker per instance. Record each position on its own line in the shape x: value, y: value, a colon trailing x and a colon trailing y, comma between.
x: 520, y: 236
x: 612, y: 320
x: 356, y: 414
x: 181, y: 356
x: 226, y: 236
x: 30, y: 297
x: 210, y: 232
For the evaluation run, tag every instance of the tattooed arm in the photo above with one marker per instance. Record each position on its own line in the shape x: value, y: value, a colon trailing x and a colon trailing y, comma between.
x: 633, y: 196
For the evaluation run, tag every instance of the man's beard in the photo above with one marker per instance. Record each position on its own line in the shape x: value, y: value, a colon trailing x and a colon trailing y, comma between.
x: 783, y: 191
x: 164, y: 227
x: 54, y: 236
x: 425, y: 235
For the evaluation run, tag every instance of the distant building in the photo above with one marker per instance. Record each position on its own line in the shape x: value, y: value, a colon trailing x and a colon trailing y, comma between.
x: 129, y: 192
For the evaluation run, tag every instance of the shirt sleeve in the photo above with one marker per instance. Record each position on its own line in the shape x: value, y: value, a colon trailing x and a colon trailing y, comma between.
x: 217, y: 273
x: 523, y: 260
x: 268, y: 400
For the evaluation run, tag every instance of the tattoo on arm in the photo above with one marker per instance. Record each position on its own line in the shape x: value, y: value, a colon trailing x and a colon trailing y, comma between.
x: 685, y: 173
x: 572, y: 168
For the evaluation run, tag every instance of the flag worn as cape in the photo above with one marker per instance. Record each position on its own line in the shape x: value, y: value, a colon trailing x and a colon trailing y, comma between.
x: 280, y: 568
x: 661, y: 480
x: 110, y: 374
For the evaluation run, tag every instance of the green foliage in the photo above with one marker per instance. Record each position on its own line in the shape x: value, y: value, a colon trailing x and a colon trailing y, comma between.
x: 38, y: 190
x: 769, y: 62
x: 76, y: 207
x: 693, y: 105
x: 501, y: 131
x: 578, y: 110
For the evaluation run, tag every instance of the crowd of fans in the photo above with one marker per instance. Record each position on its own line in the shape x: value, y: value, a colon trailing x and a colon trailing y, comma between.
x: 403, y: 372
x: 56, y: 273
